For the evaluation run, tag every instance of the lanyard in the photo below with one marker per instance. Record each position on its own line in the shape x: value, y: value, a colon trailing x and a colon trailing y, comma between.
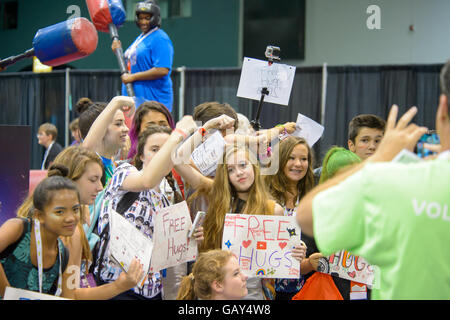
x: 131, y: 50
x: 37, y: 233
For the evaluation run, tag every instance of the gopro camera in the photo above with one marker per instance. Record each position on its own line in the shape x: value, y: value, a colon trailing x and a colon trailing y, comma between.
x: 273, y: 53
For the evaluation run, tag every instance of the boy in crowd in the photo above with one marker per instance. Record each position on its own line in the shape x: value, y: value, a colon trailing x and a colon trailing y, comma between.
x: 365, y: 132
x: 47, y: 134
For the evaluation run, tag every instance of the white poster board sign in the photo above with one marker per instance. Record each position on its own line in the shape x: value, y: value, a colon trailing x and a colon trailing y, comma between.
x: 345, y: 265
x: 21, y: 294
x: 263, y: 244
x: 308, y: 129
x: 171, y: 243
x: 207, y: 155
x: 126, y: 242
x: 257, y: 74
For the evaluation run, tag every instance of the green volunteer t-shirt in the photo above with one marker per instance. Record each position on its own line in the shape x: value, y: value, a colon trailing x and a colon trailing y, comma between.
x: 396, y: 216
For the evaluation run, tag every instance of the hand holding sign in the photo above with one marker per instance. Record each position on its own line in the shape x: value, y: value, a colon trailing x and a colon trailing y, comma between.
x: 130, y: 279
x: 264, y: 244
x: 308, y: 129
x: 199, y: 235
x: 128, y: 244
x: 299, y: 252
x: 207, y: 155
x: 172, y: 245
x: 345, y: 265
x: 314, y: 260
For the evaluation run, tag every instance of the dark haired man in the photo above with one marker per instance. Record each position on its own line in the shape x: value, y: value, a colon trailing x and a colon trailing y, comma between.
x: 364, y: 134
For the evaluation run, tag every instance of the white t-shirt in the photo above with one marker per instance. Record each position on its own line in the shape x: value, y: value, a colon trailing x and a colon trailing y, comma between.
x: 140, y: 214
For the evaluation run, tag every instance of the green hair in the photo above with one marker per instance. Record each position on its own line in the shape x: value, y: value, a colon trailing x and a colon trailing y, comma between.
x: 335, y: 159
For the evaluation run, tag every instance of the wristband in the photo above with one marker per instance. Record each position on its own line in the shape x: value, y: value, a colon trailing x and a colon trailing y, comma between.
x: 202, y: 131
x: 181, y: 132
x: 282, y: 126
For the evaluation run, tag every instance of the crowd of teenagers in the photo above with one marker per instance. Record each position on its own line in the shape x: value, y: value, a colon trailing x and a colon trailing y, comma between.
x: 393, y: 214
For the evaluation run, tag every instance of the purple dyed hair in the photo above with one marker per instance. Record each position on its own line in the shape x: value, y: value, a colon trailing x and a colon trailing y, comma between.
x: 143, y: 109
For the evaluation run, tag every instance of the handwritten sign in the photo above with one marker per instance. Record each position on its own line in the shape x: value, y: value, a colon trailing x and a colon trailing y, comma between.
x: 308, y: 129
x: 345, y: 265
x: 127, y: 242
x: 258, y: 74
x: 21, y: 294
x: 172, y: 245
x: 263, y: 244
x: 207, y: 155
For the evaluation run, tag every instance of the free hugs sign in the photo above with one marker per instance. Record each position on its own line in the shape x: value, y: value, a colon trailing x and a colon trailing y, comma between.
x: 263, y: 244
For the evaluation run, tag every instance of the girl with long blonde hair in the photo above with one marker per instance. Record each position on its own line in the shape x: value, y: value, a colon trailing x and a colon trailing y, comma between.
x: 237, y: 187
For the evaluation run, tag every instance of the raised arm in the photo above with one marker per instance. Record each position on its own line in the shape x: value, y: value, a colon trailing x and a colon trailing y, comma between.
x: 100, y: 125
x: 182, y: 160
x: 398, y: 136
x: 161, y: 163
x: 126, y: 281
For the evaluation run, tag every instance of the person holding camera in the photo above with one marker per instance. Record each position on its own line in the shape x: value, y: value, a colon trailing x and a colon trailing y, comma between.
x: 149, y: 58
x: 399, y: 218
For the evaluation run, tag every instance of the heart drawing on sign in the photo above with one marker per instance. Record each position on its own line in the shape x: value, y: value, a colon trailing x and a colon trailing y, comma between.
x: 352, y: 274
x: 282, y: 245
x: 245, y: 244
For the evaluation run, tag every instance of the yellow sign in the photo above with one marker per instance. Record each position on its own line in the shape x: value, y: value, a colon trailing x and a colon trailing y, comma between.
x: 38, y: 67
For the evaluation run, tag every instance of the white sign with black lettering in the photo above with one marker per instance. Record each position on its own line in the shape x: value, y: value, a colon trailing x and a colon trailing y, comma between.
x: 258, y: 74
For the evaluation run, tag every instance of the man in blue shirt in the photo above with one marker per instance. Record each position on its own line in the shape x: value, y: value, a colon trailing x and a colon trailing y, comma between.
x: 149, y: 58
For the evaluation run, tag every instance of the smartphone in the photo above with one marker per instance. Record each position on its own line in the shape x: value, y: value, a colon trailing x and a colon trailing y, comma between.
x: 198, y: 222
x: 431, y: 137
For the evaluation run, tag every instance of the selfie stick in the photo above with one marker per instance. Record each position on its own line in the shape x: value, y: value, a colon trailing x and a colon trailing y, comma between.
x: 255, y: 123
x: 272, y: 53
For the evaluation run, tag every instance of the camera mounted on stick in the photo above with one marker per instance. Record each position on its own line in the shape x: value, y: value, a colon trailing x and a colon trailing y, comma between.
x: 272, y: 54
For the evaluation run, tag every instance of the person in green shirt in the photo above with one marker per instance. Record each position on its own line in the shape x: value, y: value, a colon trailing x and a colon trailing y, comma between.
x: 394, y: 215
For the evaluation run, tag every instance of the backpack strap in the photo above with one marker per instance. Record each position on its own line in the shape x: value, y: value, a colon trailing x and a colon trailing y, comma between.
x: 124, y: 204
